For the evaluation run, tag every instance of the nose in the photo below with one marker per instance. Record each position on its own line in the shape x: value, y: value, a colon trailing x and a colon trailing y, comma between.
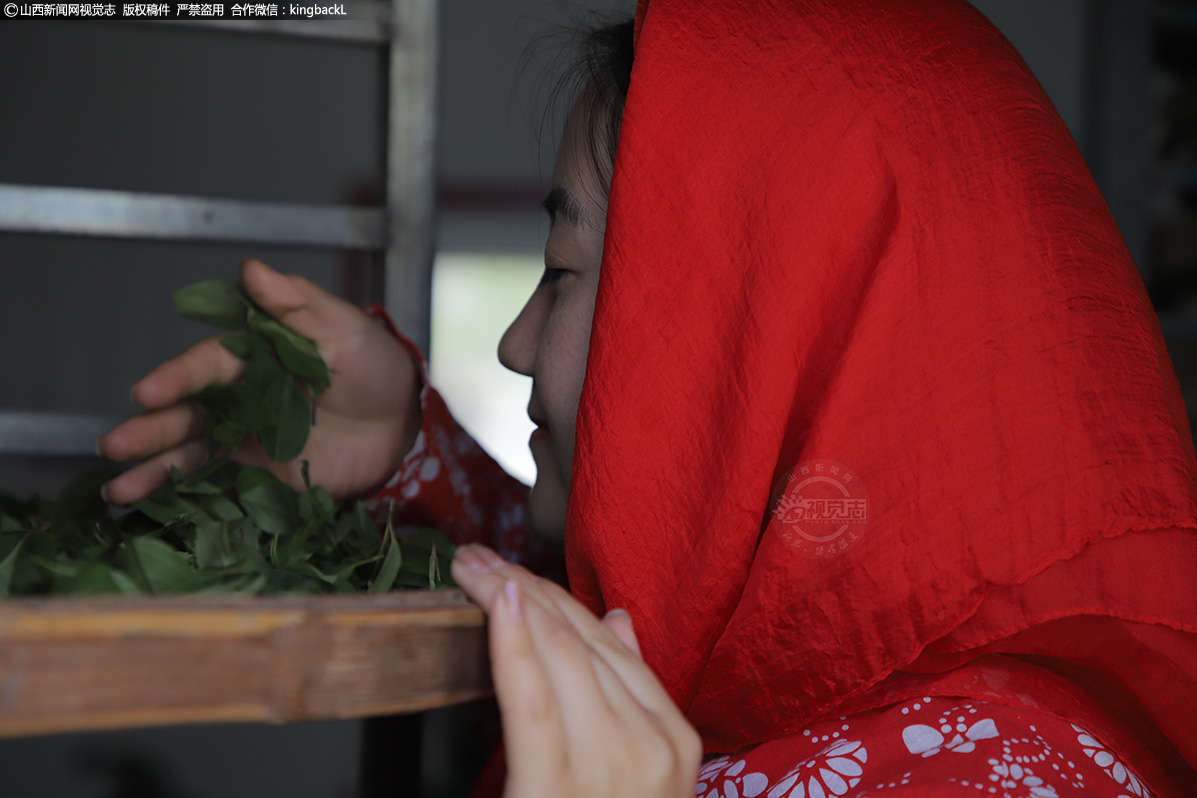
x: 517, y: 347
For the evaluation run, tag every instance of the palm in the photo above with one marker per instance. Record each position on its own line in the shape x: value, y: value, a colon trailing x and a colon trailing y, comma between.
x: 350, y: 447
x: 365, y: 421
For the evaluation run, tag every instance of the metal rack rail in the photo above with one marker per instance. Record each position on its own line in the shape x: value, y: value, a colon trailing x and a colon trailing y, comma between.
x: 400, y: 231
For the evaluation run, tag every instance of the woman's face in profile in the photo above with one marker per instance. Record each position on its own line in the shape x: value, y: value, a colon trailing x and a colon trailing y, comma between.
x: 550, y: 338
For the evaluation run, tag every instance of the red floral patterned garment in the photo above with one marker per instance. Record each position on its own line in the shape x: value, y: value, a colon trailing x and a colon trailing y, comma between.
x: 927, y: 746
x: 876, y: 405
x: 989, y: 747
x: 877, y: 413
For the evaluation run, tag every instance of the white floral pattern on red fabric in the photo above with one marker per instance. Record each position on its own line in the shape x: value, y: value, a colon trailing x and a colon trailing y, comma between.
x: 832, y: 772
x: 719, y: 778
x: 1013, y: 776
x: 927, y: 741
x: 1021, y: 764
x: 1110, y: 764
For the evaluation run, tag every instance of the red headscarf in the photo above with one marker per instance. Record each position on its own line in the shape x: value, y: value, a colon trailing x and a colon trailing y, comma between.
x: 856, y: 236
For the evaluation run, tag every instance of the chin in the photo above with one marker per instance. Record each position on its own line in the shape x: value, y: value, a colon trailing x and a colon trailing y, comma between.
x: 546, y: 514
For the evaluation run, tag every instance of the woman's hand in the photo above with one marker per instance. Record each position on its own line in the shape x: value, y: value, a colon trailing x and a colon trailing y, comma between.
x: 582, y: 714
x: 366, y: 421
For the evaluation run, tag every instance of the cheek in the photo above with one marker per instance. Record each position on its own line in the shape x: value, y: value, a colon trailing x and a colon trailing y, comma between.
x: 565, y: 348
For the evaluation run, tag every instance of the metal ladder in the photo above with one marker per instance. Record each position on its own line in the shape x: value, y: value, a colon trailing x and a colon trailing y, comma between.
x: 401, y: 230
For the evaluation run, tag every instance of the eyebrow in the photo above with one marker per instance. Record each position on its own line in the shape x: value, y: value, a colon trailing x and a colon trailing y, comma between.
x: 562, y: 202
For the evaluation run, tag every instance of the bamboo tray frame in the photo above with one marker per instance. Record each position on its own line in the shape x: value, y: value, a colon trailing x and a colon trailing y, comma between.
x: 75, y: 664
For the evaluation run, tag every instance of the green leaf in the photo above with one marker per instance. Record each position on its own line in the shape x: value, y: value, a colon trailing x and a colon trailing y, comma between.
x: 285, y: 438
x: 228, y: 434
x: 356, y: 530
x: 390, y: 568
x: 419, y: 551
x: 236, y: 583
x: 223, y: 528
x: 287, y: 582
x: 164, y: 506
x: 245, y: 345
x: 232, y: 412
x: 277, y: 332
x: 311, y: 571
x: 94, y: 577
x: 30, y: 574
x: 9, y: 565
x: 271, y: 504
x: 221, y: 472
x: 412, y: 581
x: 124, y: 584
x: 163, y: 569
x: 247, y: 535
x: 297, y: 353
x: 219, y: 508
x: 219, y: 302
x: 58, y: 567
x: 434, y: 570
x: 9, y: 540
x: 262, y: 370
x: 212, y: 545
x: 323, y: 505
x: 250, y: 409
x: 216, y: 477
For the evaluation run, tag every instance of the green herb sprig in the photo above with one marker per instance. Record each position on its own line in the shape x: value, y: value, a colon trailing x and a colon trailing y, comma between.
x: 284, y: 373
x: 225, y: 528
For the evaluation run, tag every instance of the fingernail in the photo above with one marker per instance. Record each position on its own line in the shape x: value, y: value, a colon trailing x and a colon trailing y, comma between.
x: 104, y: 493
x: 492, y: 559
x: 624, y: 613
x: 96, y: 448
x: 471, y: 560
x: 514, y: 606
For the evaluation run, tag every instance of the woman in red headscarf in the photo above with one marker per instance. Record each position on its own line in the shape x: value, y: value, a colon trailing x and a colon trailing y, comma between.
x: 876, y: 440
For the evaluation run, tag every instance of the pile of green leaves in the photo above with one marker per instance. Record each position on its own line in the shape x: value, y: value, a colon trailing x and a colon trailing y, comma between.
x: 224, y: 528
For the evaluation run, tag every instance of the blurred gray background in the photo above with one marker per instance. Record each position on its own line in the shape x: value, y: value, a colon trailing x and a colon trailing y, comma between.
x: 148, y: 107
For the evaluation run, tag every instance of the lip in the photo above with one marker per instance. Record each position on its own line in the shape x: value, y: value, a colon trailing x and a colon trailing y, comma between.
x: 538, y: 434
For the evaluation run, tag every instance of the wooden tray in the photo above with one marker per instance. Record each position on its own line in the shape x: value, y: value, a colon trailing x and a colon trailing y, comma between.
x: 71, y: 664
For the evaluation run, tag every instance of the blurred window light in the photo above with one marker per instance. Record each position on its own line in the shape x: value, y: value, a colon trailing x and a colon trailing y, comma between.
x: 475, y: 297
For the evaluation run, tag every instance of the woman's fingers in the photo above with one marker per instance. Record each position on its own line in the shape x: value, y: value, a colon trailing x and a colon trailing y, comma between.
x: 556, y: 698
x: 198, y: 366
x: 296, y: 302
x: 150, y: 433
x: 620, y: 624
x: 482, y: 573
x: 369, y: 417
x: 173, y: 434
x: 137, y: 483
x: 572, y: 725
x: 532, y: 723
x: 616, y: 643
